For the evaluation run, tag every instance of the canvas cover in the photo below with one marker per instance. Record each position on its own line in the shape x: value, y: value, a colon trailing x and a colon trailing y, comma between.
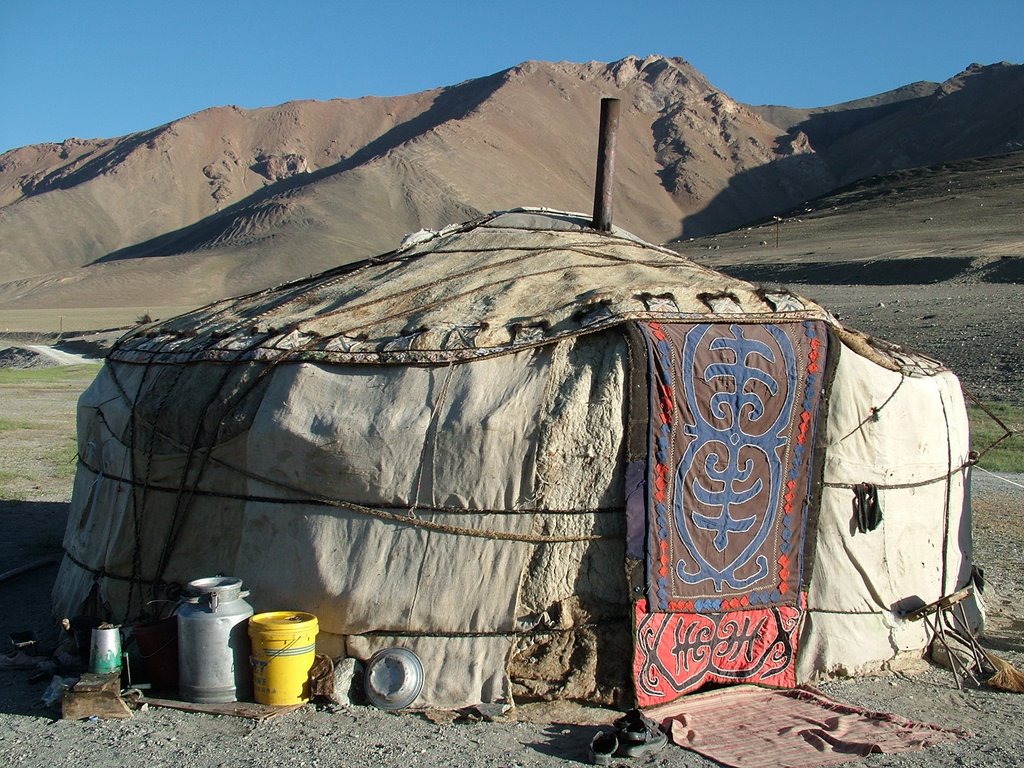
x: 908, y: 435
x: 389, y: 528
x: 429, y: 449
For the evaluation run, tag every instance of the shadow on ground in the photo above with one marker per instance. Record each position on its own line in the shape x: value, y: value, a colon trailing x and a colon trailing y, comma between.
x: 922, y: 271
x: 567, y: 741
x: 30, y: 533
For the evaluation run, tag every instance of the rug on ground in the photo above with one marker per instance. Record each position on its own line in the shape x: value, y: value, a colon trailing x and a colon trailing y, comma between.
x: 749, y: 727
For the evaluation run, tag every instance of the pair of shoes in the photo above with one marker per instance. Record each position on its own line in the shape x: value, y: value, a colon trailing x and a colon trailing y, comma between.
x: 638, y: 734
x: 634, y: 735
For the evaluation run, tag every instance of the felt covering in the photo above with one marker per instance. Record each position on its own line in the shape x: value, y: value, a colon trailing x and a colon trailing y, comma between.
x: 731, y: 429
x: 908, y: 436
x: 676, y: 653
x: 429, y: 449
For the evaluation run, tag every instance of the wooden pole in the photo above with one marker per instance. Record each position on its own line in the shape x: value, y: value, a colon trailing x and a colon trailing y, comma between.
x: 40, y: 563
x: 603, y: 188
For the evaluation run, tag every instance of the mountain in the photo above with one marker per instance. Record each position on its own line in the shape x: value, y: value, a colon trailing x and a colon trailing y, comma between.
x: 230, y: 200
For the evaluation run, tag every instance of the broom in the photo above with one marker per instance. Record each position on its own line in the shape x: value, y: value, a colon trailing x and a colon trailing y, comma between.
x: 1004, y: 677
x: 1007, y: 677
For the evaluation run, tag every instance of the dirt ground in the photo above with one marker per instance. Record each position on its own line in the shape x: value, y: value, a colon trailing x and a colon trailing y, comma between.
x: 33, y: 735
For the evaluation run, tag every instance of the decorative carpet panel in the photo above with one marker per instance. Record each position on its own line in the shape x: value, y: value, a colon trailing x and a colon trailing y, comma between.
x: 679, y: 652
x: 725, y: 493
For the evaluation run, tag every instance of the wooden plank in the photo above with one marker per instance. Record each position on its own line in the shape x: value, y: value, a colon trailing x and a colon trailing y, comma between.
x: 90, y: 682
x: 95, y: 696
x: 247, y: 709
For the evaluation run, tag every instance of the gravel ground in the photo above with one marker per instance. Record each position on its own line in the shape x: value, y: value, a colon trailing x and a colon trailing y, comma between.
x: 31, y: 735
x: 977, y: 329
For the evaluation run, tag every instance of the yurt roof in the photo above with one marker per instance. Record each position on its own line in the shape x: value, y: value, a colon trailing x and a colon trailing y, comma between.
x: 509, y: 280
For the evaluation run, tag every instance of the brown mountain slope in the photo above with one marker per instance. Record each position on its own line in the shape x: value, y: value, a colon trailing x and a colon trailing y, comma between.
x: 978, y: 112
x: 932, y: 257
x: 106, y: 195
x: 231, y: 200
x: 526, y: 135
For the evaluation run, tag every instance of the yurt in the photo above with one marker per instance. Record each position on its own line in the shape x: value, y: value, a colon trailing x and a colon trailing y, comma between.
x: 552, y: 462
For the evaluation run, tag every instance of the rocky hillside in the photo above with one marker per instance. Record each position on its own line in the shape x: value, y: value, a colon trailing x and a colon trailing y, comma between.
x: 230, y: 200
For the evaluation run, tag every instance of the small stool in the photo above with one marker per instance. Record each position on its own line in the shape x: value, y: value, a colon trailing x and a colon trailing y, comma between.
x: 946, y: 619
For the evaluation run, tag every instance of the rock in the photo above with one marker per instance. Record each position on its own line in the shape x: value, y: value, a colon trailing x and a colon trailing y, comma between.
x: 277, y: 167
x: 20, y: 357
x: 796, y: 143
x: 344, y: 682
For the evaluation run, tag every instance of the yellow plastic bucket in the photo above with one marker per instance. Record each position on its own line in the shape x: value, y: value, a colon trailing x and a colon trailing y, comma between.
x: 283, y: 651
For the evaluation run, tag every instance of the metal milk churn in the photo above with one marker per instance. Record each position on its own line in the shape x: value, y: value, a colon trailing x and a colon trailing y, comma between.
x: 213, y: 642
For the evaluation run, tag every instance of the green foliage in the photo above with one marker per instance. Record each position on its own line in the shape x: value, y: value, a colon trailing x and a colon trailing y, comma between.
x: 7, y: 491
x: 1008, y: 455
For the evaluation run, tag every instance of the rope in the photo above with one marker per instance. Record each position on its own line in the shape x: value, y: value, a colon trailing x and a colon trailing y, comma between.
x: 179, y: 509
x: 183, y: 501
x: 1007, y: 432
x: 103, y: 573
x: 351, y: 506
x: 872, y: 413
x: 405, y: 519
x: 901, y: 486
x: 283, y: 500
x: 582, y: 248
x: 138, y: 505
x: 947, y: 495
x: 501, y: 633
x: 1000, y: 477
x: 348, y: 271
x: 971, y: 461
x: 448, y: 299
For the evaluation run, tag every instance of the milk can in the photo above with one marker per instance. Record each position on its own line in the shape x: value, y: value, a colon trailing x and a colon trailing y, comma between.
x: 213, y: 642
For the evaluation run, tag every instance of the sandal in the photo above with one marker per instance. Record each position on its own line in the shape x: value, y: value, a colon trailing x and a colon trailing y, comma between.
x: 604, y: 745
x: 638, y: 734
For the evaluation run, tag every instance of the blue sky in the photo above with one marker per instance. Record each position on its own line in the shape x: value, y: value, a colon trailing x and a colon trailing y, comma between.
x: 99, y: 68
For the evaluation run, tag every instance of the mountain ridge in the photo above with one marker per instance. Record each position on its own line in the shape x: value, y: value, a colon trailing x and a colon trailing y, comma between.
x: 242, y: 199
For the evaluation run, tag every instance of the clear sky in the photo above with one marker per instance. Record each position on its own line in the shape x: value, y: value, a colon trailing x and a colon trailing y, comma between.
x: 101, y: 68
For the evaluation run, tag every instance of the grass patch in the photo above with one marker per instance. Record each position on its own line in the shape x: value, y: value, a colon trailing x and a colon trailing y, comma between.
x: 63, y: 458
x: 1008, y: 456
x: 7, y: 478
x: 58, y: 374
x: 6, y: 425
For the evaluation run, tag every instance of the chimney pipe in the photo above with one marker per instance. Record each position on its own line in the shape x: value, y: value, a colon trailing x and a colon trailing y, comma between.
x: 606, y: 164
